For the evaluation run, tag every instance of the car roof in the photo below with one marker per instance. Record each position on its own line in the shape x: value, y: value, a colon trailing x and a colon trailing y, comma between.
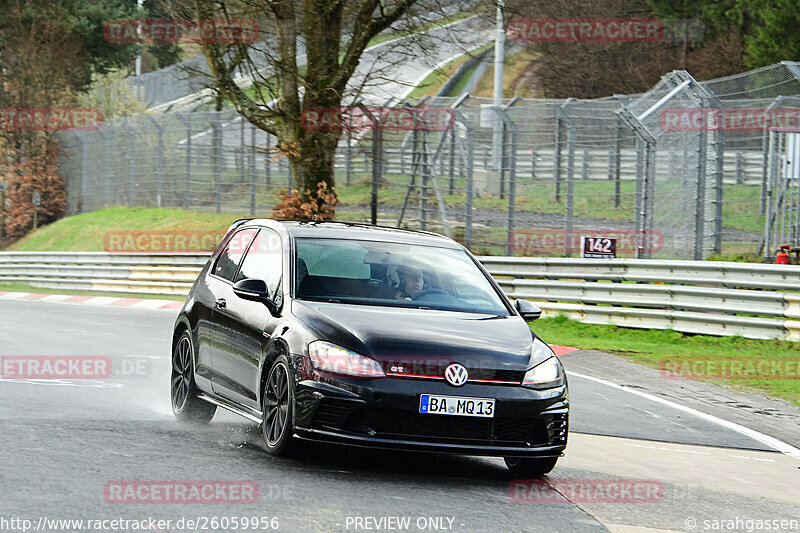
x: 354, y: 231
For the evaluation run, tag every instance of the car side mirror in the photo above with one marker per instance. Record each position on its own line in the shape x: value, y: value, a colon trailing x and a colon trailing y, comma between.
x: 255, y: 290
x: 527, y: 310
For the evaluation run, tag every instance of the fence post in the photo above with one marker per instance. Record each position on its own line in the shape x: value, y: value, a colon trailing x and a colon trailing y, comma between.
x: 720, y: 140
x: 617, y: 161
x: 159, y: 158
x: 570, y: 208
x: 739, y: 168
x: 700, y: 196
x: 251, y: 162
x: 217, y: 163
x: 451, y: 185
x: 131, y: 164
x: 84, y: 172
x: 106, y: 167
x: 187, y: 195
x: 509, y: 126
x: 557, y: 156
x: 585, y: 165
x: 562, y: 116
x: 765, y: 146
x: 377, y: 163
x: 645, y: 179
x: 349, y: 161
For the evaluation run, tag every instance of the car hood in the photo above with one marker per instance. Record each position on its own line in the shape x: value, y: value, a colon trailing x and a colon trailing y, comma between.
x: 397, y: 335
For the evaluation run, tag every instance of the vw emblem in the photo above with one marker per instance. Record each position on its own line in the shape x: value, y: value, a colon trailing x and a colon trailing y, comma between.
x: 456, y: 375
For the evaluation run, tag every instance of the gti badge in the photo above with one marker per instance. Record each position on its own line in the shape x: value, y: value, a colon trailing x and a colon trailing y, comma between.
x: 456, y: 375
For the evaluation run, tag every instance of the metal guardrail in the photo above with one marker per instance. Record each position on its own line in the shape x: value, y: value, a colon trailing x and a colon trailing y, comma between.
x: 720, y: 298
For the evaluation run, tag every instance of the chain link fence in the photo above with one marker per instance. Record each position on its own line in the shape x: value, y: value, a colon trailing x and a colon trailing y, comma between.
x: 669, y: 173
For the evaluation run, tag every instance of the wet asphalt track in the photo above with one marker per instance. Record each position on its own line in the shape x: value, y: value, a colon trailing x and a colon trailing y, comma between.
x: 62, y: 442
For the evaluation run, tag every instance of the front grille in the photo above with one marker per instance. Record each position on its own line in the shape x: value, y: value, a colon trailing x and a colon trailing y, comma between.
x: 513, y: 376
x: 454, y: 429
x: 499, y: 375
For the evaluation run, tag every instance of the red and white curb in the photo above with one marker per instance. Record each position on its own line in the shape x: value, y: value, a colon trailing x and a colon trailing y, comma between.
x: 135, y: 303
x: 561, y: 350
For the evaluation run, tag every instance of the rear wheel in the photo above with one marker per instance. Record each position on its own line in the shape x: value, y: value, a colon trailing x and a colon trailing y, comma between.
x: 277, y: 409
x: 186, y: 406
x: 525, y: 467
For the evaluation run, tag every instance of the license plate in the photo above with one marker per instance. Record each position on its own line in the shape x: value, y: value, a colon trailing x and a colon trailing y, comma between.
x: 456, y: 405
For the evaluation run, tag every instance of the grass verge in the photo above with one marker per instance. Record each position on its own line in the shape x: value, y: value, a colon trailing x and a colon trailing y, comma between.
x: 674, y: 350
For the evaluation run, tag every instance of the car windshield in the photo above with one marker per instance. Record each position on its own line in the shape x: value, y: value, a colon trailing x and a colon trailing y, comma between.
x: 390, y: 274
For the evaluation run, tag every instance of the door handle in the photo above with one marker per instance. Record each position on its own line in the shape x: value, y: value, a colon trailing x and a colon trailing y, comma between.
x: 220, y: 303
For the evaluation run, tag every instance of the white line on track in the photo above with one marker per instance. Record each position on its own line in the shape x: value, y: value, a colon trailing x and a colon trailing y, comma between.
x: 779, y: 445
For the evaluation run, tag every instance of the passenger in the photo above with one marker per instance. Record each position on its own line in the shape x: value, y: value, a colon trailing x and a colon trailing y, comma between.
x: 411, y: 281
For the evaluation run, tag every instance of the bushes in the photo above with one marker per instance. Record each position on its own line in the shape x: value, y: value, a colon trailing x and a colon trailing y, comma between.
x: 309, y: 205
x: 24, y: 172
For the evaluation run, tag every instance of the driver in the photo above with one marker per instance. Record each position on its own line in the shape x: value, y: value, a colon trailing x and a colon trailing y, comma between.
x: 410, y: 282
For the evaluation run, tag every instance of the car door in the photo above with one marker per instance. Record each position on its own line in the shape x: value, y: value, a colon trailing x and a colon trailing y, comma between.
x: 213, y: 293
x: 247, y: 325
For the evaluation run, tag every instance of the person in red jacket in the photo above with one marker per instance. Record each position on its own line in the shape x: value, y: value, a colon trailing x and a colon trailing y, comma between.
x: 782, y: 257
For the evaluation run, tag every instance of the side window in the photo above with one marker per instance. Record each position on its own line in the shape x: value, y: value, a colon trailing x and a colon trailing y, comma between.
x: 228, y: 261
x: 264, y: 261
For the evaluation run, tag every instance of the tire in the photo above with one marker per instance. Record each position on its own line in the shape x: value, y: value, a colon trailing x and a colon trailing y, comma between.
x: 186, y: 406
x: 525, y: 467
x: 277, y: 409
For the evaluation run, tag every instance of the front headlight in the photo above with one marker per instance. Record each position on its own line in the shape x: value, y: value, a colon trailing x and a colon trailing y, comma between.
x: 548, y: 374
x: 331, y: 358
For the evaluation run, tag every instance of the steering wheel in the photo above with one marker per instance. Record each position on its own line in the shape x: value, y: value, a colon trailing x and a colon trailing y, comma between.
x: 426, y: 292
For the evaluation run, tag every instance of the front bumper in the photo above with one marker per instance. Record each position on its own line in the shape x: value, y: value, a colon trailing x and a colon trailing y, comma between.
x: 384, y: 413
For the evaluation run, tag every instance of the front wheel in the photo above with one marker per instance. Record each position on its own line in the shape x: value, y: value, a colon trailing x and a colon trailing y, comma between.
x: 276, y: 409
x: 186, y: 406
x: 525, y: 467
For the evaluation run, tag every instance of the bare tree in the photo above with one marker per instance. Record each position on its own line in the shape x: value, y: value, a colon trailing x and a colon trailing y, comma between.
x: 334, y: 33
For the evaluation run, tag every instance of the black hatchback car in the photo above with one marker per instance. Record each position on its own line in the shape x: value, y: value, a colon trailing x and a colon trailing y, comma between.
x: 367, y: 336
